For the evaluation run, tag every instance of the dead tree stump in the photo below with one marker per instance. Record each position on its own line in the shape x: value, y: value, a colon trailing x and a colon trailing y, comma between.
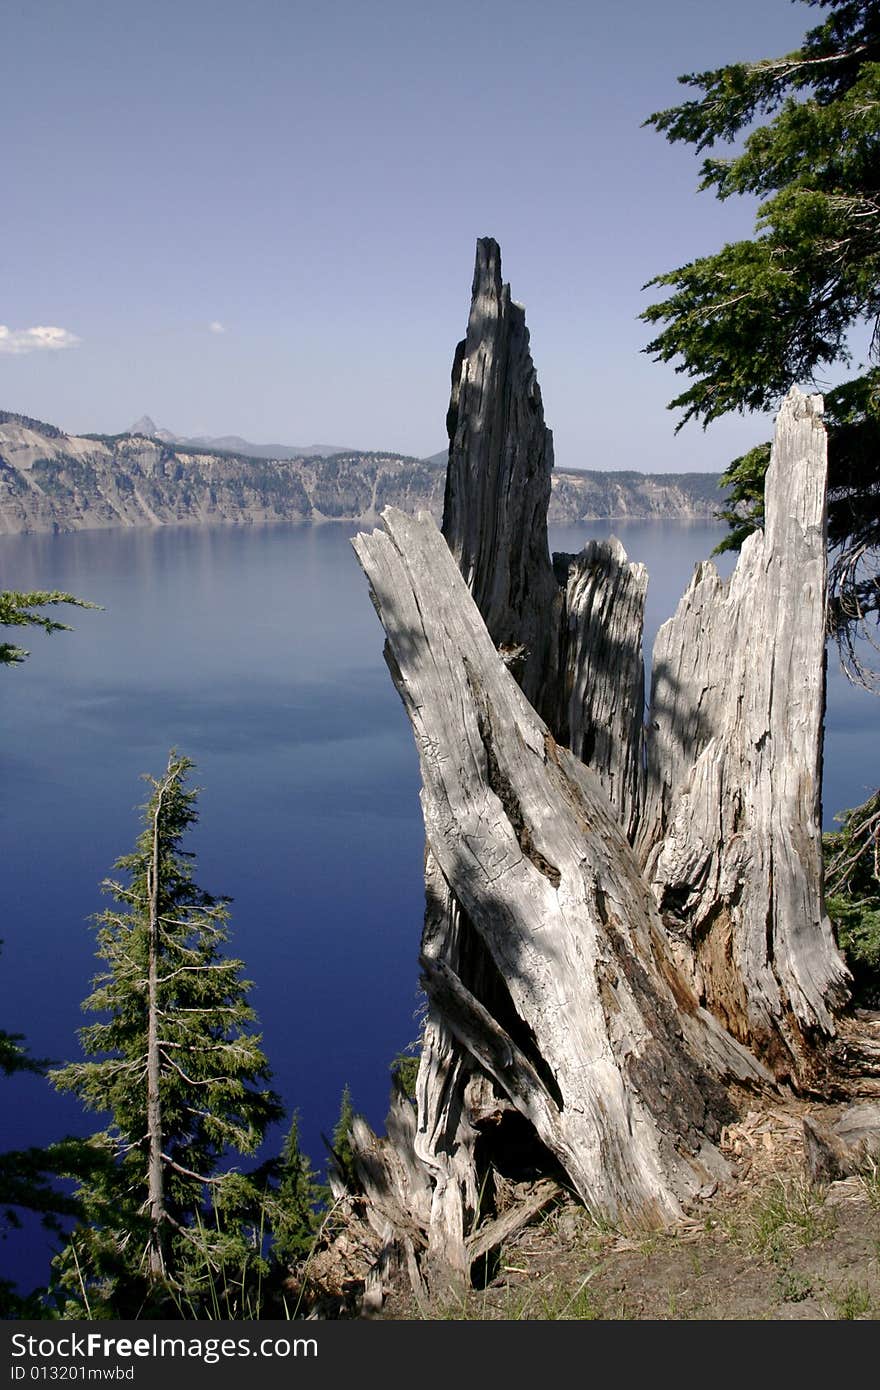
x: 624, y: 922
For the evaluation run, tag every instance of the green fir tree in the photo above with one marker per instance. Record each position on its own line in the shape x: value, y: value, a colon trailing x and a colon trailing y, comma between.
x: 174, y: 1062
x: 296, y: 1201
x: 342, y: 1153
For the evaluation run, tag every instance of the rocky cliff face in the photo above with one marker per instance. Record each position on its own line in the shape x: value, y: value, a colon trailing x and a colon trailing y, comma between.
x: 55, y: 482
x: 50, y: 481
x: 639, y: 496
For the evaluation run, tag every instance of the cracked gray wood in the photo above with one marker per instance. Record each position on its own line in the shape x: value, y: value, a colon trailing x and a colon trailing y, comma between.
x: 498, y: 479
x: 601, y: 680
x: 569, y: 628
x: 730, y: 834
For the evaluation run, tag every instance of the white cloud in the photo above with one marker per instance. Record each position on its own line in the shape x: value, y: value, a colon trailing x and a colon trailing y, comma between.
x: 216, y: 327
x: 15, y: 341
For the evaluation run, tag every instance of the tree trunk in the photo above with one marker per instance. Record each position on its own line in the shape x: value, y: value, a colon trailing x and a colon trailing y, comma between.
x: 623, y: 931
x: 155, y: 1172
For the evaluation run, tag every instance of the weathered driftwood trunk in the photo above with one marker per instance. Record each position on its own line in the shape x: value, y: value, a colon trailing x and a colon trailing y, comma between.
x: 619, y: 926
x: 730, y: 833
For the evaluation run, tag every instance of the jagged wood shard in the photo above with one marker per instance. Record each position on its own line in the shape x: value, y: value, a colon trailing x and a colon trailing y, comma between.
x: 570, y: 628
x: 731, y: 829
x: 601, y: 681
x: 498, y: 478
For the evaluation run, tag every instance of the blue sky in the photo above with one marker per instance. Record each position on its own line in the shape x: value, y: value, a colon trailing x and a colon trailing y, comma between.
x: 260, y: 218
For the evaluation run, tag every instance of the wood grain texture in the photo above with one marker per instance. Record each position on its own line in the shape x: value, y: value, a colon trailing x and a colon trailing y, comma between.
x: 498, y: 479
x: 601, y: 678
x: 730, y: 834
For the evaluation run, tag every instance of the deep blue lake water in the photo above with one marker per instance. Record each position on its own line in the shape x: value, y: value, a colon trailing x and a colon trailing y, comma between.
x: 255, y: 651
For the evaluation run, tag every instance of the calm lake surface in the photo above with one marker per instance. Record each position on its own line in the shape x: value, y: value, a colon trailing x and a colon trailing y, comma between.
x: 255, y: 651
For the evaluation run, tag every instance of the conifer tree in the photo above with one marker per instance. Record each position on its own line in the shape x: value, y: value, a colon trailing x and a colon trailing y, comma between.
x: 173, y: 1061
x: 341, y: 1149
x: 294, y: 1211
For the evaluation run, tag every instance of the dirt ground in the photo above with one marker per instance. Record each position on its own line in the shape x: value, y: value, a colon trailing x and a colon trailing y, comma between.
x: 767, y: 1245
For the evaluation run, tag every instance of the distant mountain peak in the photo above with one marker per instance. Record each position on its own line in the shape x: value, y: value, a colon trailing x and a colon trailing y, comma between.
x: 234, y: 444
x: 146, y: 425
